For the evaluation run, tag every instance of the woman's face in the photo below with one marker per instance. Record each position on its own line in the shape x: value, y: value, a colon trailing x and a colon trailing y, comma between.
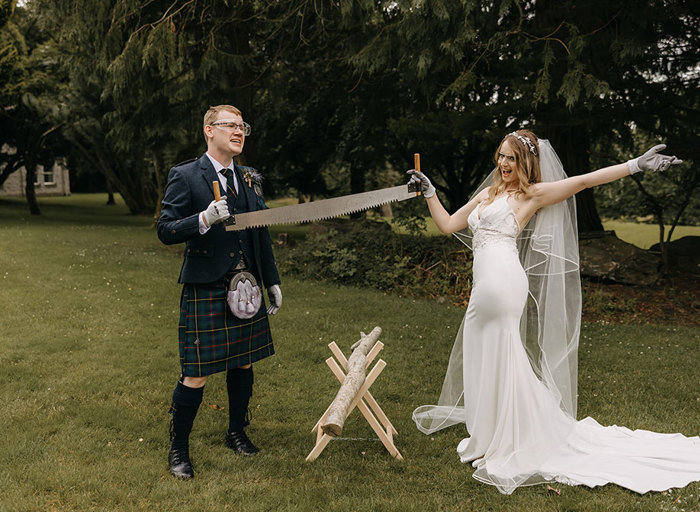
x: 507, y: 164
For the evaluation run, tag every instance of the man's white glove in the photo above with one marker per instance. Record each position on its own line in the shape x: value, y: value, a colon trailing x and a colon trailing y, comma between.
x: 275, y: 295
x: 652, y: 161
x: 216, y: 212
x: 425, y: 186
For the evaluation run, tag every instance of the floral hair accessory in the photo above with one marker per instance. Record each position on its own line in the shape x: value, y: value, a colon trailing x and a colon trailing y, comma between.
x: 526, y: 141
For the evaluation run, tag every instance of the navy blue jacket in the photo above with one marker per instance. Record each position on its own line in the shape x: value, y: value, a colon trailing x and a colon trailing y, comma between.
x: 208, y: 257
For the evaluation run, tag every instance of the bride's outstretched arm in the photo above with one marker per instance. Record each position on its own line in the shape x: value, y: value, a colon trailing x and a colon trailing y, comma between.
x: 445, y: 222
x: 549, y: 193
x: 545, y: 194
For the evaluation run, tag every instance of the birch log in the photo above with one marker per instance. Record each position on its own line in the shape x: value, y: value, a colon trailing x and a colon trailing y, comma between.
x: 338, y: 411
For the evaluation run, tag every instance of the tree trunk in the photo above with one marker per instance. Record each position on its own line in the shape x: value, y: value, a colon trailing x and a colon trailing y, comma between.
x: 572, y: 145
x: 160, y: 184
x: 30, y: 190
x: 11, y: 167
x: 110, y: 193
x: 663, y: 246
x: 244, y: 92
x: 116, y: 172
x: 107, y: 166
x: 568, y: 132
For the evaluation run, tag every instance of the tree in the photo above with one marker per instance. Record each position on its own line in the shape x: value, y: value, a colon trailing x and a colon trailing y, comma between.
x: 540, y: 64
x: 340, y: 93
x: 326, y: 128
x: 143, y: 72
x: 30, y: 118
x: 669, y: 198
x: 13, y: 80
x: 111, y: 108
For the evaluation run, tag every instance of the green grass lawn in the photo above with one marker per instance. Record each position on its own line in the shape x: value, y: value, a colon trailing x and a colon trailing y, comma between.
x: 88, y: 339
x: 646, y: 235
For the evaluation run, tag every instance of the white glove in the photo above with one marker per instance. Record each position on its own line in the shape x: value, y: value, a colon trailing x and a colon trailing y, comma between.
x: 275, y: 295
x: 216, y: 212
x: 425, y: 186
x: 652, y: 161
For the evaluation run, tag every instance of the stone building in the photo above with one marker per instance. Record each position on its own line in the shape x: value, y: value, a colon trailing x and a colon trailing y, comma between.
x: 50, y: 181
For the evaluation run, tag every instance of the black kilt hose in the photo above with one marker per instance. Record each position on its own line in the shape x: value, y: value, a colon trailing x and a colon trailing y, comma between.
x: 212, y: 339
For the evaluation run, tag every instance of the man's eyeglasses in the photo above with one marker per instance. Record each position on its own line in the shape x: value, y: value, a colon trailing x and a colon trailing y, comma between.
x: 231, y: 126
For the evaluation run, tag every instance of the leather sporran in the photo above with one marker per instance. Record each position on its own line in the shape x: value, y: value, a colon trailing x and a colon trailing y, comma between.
x: 244, y: 296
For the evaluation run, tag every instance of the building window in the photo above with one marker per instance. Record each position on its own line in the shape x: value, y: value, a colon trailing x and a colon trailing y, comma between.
x: 48, y: 176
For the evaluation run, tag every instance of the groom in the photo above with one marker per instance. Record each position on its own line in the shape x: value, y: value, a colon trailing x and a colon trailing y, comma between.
x: 211, y: 338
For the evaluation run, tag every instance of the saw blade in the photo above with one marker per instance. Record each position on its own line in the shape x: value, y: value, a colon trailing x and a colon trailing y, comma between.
x: 322, y: 209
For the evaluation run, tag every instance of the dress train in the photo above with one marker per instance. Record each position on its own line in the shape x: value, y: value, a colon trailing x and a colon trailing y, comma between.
x: 519, y: 433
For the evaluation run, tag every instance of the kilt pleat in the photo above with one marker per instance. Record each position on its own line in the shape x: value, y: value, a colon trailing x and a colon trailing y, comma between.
x: 212, y: 339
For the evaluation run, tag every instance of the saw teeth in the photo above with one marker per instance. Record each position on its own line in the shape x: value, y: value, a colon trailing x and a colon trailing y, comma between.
x: 378, y: 198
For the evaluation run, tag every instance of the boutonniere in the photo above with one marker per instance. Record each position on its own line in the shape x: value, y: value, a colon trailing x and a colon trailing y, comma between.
x: 254, y: 179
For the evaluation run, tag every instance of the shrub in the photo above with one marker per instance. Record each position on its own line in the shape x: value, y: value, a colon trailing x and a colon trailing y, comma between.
x: 369, y: 253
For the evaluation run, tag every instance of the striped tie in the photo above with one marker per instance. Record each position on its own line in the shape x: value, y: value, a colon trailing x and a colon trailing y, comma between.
x: 228, y: 173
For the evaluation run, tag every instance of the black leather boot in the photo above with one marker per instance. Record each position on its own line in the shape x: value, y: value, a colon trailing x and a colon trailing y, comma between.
x: 180, y: 464
x: 238, y: 441
x: 239, y: 384
x: 184, y: 409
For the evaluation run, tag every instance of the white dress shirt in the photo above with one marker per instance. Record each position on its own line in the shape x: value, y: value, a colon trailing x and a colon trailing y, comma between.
x: 203, y: 228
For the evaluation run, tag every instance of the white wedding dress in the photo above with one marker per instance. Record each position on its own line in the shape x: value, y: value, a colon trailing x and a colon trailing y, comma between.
x: 519, y: 432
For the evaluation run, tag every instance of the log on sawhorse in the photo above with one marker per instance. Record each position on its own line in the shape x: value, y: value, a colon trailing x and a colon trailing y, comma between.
x: 354, y: 392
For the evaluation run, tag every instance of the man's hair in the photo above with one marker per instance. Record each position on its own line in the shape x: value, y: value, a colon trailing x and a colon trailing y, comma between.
x: 213, y: 112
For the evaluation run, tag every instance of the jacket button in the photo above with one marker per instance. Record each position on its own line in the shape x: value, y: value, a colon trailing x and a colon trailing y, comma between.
x: 231, y: 254
x: 204, y: 251
x: 173, y: 231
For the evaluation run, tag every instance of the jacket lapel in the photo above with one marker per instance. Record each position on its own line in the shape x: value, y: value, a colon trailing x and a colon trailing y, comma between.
x: 245, y: 188
x: 209, y: 174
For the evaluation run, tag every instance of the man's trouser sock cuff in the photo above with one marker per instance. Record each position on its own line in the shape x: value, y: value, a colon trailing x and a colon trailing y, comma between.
x: 239, y: 384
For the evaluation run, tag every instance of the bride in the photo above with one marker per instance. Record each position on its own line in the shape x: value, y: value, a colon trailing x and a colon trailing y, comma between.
x: 512, y: 374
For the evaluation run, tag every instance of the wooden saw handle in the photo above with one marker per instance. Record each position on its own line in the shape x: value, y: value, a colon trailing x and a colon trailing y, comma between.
x: 217, y: 193
x: 416, y: 166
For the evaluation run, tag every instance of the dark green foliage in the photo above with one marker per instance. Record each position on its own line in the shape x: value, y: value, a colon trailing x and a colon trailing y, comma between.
x: 339, y: 94
x: 570, y: 70
x: 666, y: 199
x: 368, y: 253
x: 625, y: 200
x: 410, y: 215
x: 31, y: 116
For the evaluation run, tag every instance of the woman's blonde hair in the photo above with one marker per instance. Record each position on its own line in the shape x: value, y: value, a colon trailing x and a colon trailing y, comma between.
x: 525, y: 146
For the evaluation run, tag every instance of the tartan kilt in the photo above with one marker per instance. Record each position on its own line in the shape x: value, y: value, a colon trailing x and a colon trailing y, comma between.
x: 212, y: 339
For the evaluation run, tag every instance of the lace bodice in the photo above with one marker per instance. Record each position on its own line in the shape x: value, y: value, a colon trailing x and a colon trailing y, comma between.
x: 494, y: 223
